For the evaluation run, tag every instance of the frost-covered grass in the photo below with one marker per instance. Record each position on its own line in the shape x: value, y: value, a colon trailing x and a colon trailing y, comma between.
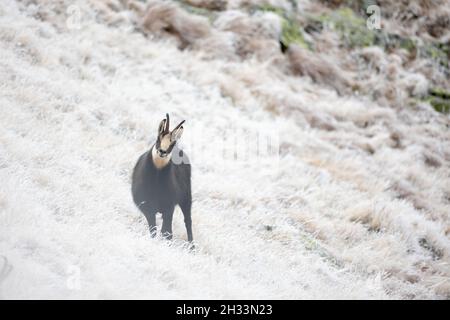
x: 357, y: 206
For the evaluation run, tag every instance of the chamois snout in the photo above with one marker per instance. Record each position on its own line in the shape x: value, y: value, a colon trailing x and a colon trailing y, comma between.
x: 162, y: 153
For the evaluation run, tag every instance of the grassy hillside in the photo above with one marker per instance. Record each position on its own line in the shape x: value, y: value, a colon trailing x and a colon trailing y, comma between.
x: 354, y: 204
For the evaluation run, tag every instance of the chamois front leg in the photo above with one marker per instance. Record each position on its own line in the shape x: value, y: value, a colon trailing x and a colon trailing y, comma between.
x: 186, y: 208
x: 151, y: 219
x: 166, y: 230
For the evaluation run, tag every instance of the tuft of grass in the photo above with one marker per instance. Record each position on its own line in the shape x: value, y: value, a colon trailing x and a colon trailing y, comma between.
x: 439, y: 92
x: 271, y: 8
x: 210, y: 14
x: 292, y: 31
x: 408, y: 44
x: 436, y: 51
x: 439, y: 99
x: 351, y: 27
x: 440, y: 105
x: 312, y: 244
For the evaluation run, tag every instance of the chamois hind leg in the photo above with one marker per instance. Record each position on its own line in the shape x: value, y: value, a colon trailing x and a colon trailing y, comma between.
x: 186, y: 208
x: 166, y: 230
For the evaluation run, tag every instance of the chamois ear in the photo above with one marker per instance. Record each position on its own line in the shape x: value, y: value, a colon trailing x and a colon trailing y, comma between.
x: 177, y: 132
x: 162, y: 127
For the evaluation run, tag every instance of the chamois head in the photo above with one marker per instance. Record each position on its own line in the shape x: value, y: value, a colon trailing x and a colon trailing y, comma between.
x: 167, y: 139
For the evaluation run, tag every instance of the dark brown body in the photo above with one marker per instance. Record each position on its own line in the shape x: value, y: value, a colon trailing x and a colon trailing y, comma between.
x: 160, y: 190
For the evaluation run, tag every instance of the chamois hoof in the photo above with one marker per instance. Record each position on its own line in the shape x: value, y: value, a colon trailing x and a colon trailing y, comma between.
x: 153, y: 233
x: 166, y: 236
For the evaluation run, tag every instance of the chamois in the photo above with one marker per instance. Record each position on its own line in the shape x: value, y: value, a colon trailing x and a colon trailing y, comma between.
x: 162, y: 179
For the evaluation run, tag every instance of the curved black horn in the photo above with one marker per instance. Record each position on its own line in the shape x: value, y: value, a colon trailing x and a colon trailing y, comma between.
x: 179, y: 125
x: 167, y: 123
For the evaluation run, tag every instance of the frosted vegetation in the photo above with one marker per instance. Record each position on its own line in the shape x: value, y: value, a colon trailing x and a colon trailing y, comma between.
x: 355, y: 205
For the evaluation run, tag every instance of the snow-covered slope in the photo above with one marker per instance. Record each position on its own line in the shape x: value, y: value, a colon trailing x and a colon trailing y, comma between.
x: 355, y: 206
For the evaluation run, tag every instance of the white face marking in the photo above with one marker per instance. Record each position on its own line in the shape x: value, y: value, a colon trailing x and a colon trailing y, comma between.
x: 165, y: 142
x: 158, y: 161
